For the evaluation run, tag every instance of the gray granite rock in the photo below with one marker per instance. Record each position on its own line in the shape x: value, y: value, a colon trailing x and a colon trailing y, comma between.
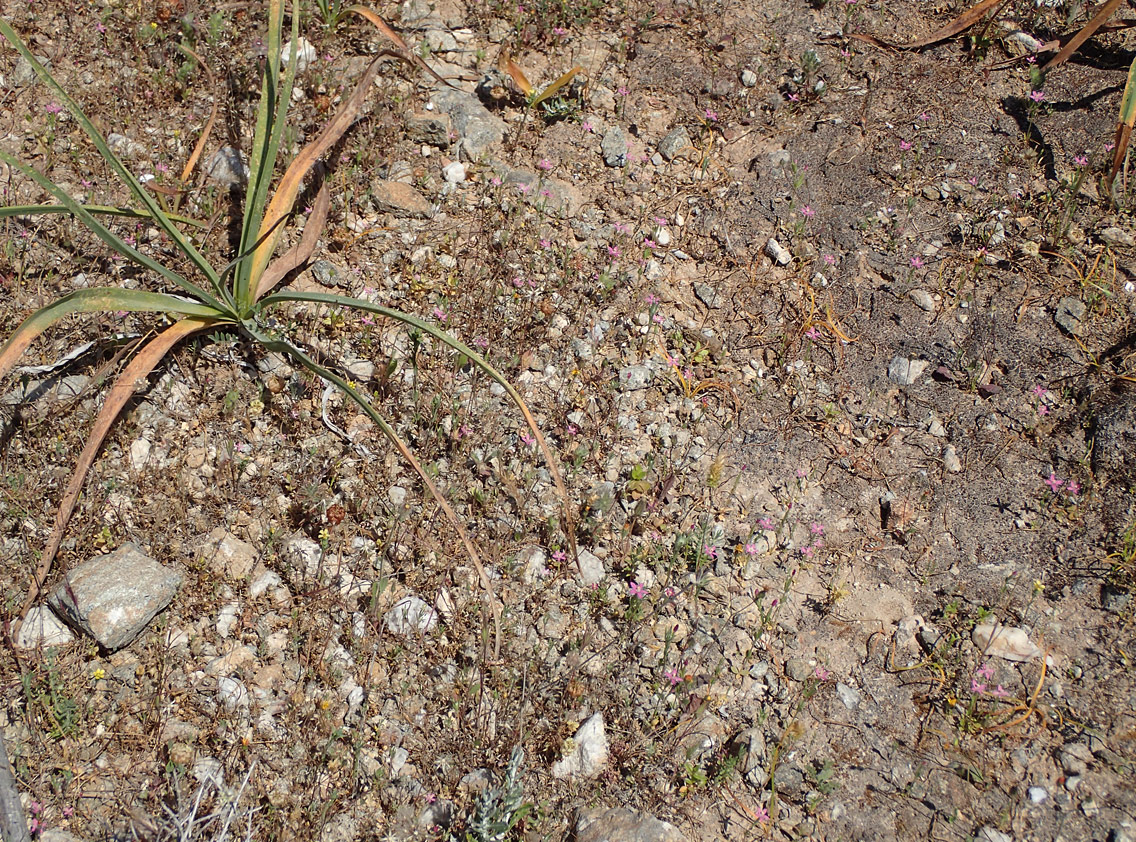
x: 226, y: 167
x: 1070, y: 313
x: 676, y: 140
x: 113, y: 597
x: 478, y: 129
x: 620, y: 824
x: 613, y: 147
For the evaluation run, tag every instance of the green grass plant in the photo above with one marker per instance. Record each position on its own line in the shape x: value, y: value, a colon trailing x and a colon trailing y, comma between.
x: 236, y: 295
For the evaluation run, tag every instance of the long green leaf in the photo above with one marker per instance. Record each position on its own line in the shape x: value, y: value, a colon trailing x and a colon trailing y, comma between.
x: 457, y: 345
x: 285, y: 347
x: 104, y: 234
x: 96, y: 300
x: 145, y: 199
x: 101, y: 210
x: 271, y: 117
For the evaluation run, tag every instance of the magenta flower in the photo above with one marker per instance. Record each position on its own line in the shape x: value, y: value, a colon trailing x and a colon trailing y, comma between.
x: 671, y: 675
x: 1037, y: 96
x: 904, y: 145
x: 637, y: 590
x: 807, y: 212
x: 1073, y: 488
x: 1054, y: 482
x: 545, y: 164
x: 1039, y: 391
x: 559, y: 555
x: 816, y: 528
x: 917, y: 262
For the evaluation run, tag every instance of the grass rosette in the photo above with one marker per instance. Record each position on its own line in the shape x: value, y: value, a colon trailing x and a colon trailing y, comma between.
x: 240, y: 295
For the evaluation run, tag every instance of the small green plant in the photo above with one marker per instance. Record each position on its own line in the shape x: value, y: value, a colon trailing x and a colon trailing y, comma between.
x: 500, y: 808
x: 238, y: 296
x: 331, y: 11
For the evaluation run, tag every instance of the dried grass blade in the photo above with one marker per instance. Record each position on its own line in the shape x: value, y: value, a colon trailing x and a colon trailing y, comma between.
x: 285, y: 196
x: 1126, y: 120
x: 138, y: 367
x: 1099, y: 19
x: 551, y: 90
x: 296, y: 256
x: 507, y: 65
x: 199, y: 148
x: 406, y: 53
x: 960, y: 24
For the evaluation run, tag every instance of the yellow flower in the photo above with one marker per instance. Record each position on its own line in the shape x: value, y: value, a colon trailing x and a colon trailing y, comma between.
x: 99, y: 674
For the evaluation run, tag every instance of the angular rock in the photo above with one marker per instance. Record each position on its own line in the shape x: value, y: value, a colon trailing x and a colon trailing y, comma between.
x: 613, y: 147
x: 620, y: 824
x: 454, y: 173
x: 923, y: 300
x: 708, y: 295
x: 1114, y: 236
x: 588, y: 751
x: 592, y: 570
x: 305, y: 54
x: 228, y: 555
x: 411, y: 615
x: 1007, y: 642
x: 42, y: 629
x: 632, y: 378
x: 1070, y: 313
x: 478, y: 129
x: 778, y: 253
x: 400, y: 199
x: 677, y: 140
x: 113, y: 597
x: 951, y: 462
x: 431, y: 129
x: 227, y: 167
x: 904, y: 371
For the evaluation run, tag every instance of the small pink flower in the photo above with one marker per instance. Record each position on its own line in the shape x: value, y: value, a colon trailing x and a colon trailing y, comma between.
x: 710, y: 551
x: 1081, y: 160
x: 816, y: 528
x: 917, y: 262
x: 587, y: 126
x: 976, y: 686
x: 1039, y: 391
x: 712, y: 116
x: 999, y: 692
x: 622, y: 91
x: 802, y: 473
x: 1073, y: 488
x: 904, y: 145
x: 524, y: 188
x: 560, y: 556
x: 830, y: 260
x: 439, y: 314
x: 527, y: 438
x: 760, y: 813
x: 545, y: 244
x: 53, y: 108
x: 807, y: 212
x: 637, y: 590
x: 1054, y: 482
x: 972, y: 181
x: 750, y: 549
x: 544, y: 164
x: 613, y: 250
x: 766, y: 523
x: 671, y: 675
x: 812, y: 333
x: 822, y: 673
x: 1037, y: 96
x: 985, y: 671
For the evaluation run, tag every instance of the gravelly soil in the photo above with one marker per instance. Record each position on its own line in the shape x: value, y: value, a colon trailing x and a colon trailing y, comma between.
x: 801, y: 487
